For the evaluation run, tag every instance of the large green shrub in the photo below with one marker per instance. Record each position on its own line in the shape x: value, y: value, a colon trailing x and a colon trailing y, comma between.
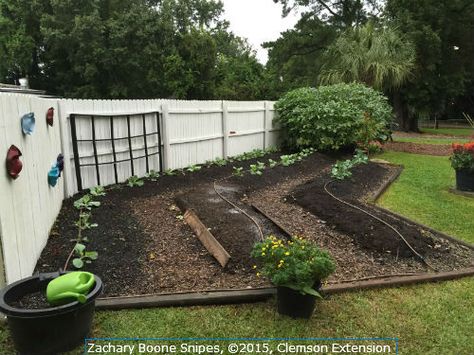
x: 334, y: 116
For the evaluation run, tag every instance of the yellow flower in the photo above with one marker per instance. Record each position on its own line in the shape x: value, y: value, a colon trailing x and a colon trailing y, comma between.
x: 255, y: 266
x: 287, y: 253
x: 263, y: 254
x: 258, y: 274
x: 282, y: 261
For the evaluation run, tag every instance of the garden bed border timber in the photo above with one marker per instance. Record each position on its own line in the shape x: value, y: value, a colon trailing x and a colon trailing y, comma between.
x: 233, y: 296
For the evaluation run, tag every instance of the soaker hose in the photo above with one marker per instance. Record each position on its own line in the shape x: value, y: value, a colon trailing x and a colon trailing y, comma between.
x: 238, y: 208
x: 380, y: 220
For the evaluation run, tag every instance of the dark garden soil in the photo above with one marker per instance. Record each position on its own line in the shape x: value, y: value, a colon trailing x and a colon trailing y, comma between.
x: 146, y: 248
x: 35, y: 300
x: 419, y: 148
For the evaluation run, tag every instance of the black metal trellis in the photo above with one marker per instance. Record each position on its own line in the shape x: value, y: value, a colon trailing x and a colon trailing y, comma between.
x: 113, y: 139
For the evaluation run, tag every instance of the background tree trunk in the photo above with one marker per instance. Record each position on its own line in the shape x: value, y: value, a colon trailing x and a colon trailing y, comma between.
x: 406, y: 122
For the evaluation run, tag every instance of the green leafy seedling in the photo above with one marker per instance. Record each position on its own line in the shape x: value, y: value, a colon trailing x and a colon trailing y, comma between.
x: 170, y: 172
x: 135, y: 181
x: 193, y: 168
x: 153, y: 175
x: 257, y: 169
x: 97, y: 191
x: 237, y: 171
x: 86, y: 202
x: 272, y: 163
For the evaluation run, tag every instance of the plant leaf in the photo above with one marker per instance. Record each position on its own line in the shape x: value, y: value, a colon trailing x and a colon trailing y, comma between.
x: 78, y: 263
x: 79, y: 248
x: 93, y: 255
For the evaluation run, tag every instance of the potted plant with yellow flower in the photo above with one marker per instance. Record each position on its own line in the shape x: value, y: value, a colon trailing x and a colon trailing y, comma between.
x: 297, y: 267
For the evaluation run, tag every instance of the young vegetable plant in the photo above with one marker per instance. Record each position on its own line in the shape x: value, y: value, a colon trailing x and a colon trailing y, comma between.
x: 97, y: 191
x: 153, y: 175
x: 257, y: 169
x: 83, y: 256
x: 272, y: 163
x: 135, y: 181
x: 342, y: 169
x: 238, y: 171
x: 193, y: 168
x: 170, y: 172
x: 220, y: 162
x: 287, y: 160
x: 85, y: 204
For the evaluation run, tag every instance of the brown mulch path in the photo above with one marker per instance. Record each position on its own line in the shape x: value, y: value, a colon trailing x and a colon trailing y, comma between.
x: 416, y: 148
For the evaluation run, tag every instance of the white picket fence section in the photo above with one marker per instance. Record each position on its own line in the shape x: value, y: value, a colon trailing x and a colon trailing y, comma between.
x: 28, y: 205
x: 192, y: 132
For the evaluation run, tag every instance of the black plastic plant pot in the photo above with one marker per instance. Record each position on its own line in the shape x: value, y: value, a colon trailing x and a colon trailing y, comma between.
x: 294, y: 304
x: 49, y: 330
x: 465, y: 180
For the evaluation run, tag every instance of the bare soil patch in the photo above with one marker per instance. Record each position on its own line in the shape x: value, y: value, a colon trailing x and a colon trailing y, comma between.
x: 419, y: 148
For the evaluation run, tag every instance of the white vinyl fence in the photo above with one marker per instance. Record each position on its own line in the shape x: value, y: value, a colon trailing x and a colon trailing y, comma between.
x: 191, y: 132
x: 28, y: 205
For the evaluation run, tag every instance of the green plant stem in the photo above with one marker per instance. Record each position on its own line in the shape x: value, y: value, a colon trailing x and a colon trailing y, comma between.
x: 79, y: 238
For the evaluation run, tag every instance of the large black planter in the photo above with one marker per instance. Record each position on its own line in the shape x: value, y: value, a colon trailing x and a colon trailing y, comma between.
x: 294, y: 304
x: 49, y: 330
x: 465, y: 180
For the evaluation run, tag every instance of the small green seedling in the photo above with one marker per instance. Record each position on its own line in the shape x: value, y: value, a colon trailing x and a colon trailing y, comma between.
x: 83, y: 256
x: 135, y: 181
x: 153, y: 175
x: 257, y: 169
x: 220, y: 162
x: 84, y: 223
x: 86, y: 202
x: 238, y: 171
x: 287, y: 160
x: 342, y: 169
x: 97, y: 191
x: 170, y: 172
x: 272, y: 163
x: 193, y: 168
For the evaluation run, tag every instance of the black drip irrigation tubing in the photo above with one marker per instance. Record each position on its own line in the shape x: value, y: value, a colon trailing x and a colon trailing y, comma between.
x: 262, y: 237
x: 418, y: 255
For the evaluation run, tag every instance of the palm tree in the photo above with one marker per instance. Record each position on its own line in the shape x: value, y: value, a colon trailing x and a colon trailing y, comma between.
x: 382, y: 58
x: 379, y: 57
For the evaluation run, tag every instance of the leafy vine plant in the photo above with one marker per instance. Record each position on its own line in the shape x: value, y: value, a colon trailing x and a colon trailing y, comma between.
x: 342, y: 169
x: 79, y: 253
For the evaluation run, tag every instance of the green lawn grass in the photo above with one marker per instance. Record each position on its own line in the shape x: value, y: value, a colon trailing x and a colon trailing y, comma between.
x: 422, y: 193
x: 449, y: 131
x: 428, y: 319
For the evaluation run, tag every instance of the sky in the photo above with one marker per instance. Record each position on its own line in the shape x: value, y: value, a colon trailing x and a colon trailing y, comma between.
x: 259, y: 21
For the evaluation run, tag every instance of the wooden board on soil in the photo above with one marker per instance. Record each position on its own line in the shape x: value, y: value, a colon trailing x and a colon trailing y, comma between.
x: 146, y: 248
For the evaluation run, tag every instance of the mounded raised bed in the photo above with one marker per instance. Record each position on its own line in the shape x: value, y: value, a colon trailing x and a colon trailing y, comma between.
x: 149, y: 257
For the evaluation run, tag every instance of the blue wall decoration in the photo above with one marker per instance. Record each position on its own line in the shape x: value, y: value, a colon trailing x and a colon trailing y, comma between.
x: 53, y: 176
x: 28, y: 123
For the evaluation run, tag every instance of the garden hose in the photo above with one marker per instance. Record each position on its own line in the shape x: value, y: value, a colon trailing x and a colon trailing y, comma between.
x: 262, y: 237
x: 380, y: 220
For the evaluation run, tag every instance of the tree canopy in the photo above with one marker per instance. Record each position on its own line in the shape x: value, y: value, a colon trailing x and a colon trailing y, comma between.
x: 420, y: 52
x: 126, y: 49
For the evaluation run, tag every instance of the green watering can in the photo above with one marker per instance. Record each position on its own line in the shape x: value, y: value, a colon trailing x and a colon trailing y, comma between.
x: 73, y: 286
